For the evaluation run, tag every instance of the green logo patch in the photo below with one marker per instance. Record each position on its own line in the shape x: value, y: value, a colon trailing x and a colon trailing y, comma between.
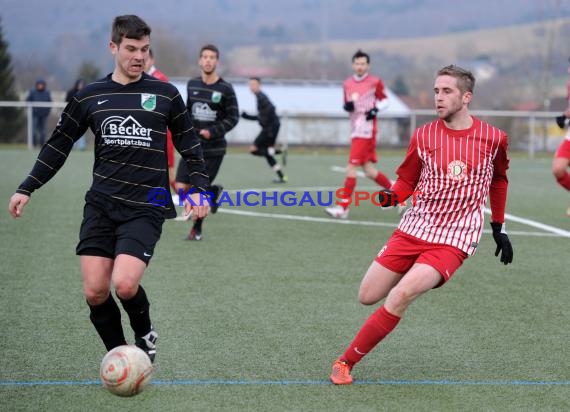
x: 148, y: 101
x: 216, y: 97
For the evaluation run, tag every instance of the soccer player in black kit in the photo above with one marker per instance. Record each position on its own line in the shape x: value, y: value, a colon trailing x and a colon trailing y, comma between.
x: 213, y: 106
x: 264, y: 143
x: 129, y: 112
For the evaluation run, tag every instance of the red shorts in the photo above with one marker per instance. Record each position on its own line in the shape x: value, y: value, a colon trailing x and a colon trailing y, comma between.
x: 402, y: 251
x: 564, y: 149
x: 362, y: 151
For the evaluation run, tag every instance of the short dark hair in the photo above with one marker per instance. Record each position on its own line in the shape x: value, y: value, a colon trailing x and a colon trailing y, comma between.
x: 465, y: 79
x: 257, y: 79
x: 211, y: 48
x: 129, y: 26
x: 359, y: 53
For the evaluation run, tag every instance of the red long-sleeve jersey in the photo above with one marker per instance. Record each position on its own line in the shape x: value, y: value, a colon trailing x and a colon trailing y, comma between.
x: 449, y: 174
x: 364, y: 93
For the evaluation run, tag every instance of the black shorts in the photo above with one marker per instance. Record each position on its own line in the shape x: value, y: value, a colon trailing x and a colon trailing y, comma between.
x: 267, y: 136
x: 111, y: 228
x: 212, y: 168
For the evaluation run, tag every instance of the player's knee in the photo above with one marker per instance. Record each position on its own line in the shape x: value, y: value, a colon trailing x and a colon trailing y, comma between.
x: 371, y: 174
x: 95, y: 296
x: 125, y: 289
x: 558, y: 170
x: 400, y: 298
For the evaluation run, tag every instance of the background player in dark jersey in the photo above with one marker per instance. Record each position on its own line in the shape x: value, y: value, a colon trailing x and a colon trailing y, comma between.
x: 129, y: 112
x: 264, y: 144
x: 213, y: 106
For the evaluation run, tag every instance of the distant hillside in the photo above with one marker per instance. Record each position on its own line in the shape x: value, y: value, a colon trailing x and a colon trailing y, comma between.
x: 36, y: 25
x: 292, y: 38
x: 501, y: 46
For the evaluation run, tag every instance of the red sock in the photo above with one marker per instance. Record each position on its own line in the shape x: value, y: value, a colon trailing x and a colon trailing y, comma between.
x: 383, y: 180
x: 376, y: 328
x: 349, y: 185
x: 564, y: 181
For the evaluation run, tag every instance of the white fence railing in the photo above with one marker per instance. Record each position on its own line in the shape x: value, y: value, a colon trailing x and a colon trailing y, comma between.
x: 529, y: 131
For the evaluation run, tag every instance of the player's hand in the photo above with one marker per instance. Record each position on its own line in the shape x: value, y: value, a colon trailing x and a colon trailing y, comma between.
x: 561, y: 121
x: 371, y: 114
x: 387, y: 198
x: 503, y: 243
x: 244, y: 114
x: 205, y: 133
x: 349, y: 106
x: 199, y: 206
x: 17, y: 203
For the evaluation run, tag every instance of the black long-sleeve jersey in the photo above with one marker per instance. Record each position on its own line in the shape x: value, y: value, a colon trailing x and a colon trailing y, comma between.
x: 129, y: 122
x: 213, y: 107
x: 266, y: 114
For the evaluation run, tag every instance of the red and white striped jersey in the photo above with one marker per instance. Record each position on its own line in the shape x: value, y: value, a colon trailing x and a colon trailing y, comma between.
x: 364, y: 93
x: 451, y: 173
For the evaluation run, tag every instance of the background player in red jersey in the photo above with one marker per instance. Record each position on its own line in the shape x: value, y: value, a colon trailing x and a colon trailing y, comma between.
x: 561, y: 160
x: 452, y: 165
x: 154, y: 72
x: 363, y: 97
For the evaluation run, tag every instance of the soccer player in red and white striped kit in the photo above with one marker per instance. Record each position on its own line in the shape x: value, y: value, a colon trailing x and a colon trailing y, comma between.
x: 452, y: 165
x: 561, y: 160
x: 364, y: 97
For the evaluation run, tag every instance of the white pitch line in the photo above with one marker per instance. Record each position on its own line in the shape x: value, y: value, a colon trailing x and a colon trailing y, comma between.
x: 349, y: 222
x: 305, y: 218
x: 532, y: 223
x: 551, y: 230
x: 340, y: 169
x: 508, y: 217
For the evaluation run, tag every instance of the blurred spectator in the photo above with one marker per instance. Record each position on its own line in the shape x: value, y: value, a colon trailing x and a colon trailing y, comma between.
x: 39, y: 114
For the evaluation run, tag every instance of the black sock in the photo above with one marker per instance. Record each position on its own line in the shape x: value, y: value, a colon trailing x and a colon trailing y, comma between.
x: 198, y: 224
x: 280, y: 174
x: 106, y: 318
x: 137, y: 308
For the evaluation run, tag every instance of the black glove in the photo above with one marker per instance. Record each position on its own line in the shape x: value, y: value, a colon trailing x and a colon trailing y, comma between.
x: 387, y: 198
x: 561, y: 121
x: 503, y: 243
x: 349, y: 106
x: 244, y: 115
x: 371, y: 114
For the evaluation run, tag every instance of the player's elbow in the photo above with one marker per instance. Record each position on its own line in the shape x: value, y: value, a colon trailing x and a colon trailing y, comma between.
x: 559, y: 168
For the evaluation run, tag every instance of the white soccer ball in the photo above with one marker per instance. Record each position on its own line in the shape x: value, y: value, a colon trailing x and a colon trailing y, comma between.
x: 126, y: 370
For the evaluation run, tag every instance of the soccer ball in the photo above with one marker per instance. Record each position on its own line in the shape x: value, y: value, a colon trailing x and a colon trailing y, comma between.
x: 125, y: 370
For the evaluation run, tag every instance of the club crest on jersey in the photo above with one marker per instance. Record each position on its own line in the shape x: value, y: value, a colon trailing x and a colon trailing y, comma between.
x: 457, y: 170
x: 148, y: 101
x: 216, y: 97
